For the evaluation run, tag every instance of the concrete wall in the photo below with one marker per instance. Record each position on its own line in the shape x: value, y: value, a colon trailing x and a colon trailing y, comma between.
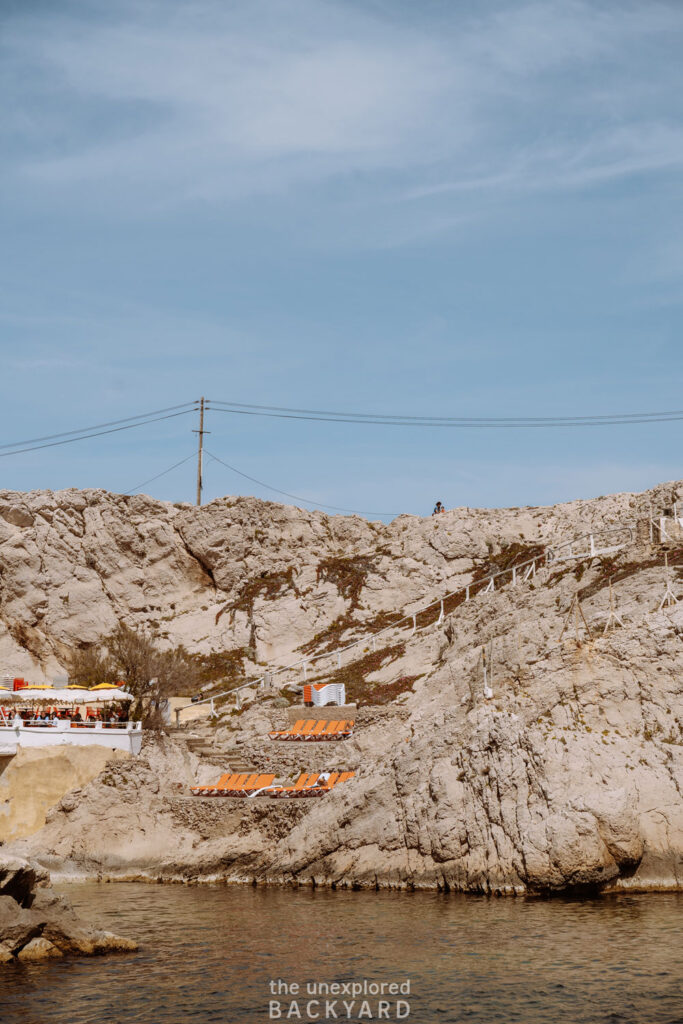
x: 35, y: 780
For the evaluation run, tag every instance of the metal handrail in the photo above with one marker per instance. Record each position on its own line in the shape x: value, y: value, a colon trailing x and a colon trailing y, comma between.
x: 552, y: 554
x: 64, y: 724
x: 487, y: 585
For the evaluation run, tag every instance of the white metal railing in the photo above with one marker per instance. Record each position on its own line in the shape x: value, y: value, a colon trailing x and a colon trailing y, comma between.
x: 16, y: 735
x: 664, y: 524
x: 485, y: 585
x: 588, y: 548
x: 521, y: 572
x: 63, y: 724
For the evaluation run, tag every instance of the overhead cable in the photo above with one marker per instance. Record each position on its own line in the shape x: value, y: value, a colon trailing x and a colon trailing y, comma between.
x: 98, y: 433
x: 297, y: 497
x: 399, y: 419
x: 159, y: 475
x: 112, y: 423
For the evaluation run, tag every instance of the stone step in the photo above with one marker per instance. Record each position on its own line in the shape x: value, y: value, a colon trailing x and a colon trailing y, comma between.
x: 229, y: 759
x: 197, y: 743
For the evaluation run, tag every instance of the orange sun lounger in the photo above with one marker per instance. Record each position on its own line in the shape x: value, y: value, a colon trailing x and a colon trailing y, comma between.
x: 304, y: 780
x: 208, y: 790
x: 330, y: 783
x: 309, y: 784
x: 254, y: 784
x: 313, y: 731
x: 295, y: 728
x: 240, y: 785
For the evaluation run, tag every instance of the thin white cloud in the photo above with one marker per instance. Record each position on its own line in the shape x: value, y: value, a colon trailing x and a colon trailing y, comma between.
x: 157, y: 103
x: 620, y: 153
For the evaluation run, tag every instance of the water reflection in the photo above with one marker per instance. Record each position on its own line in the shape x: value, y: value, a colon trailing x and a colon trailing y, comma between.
x: 209, y: 953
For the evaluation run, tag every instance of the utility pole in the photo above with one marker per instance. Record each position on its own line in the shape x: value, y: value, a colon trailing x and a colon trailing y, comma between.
x: 200, y: 450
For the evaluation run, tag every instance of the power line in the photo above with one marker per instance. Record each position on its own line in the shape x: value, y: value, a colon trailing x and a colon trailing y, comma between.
x: 399, y: 419
x: 97, y: 426
x: 99, y: 433
x: 297, y: 497
x: 453, y: 419
x: 159, y: 475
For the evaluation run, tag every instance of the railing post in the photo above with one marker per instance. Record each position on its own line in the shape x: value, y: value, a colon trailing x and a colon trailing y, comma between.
x: 213, y: 709
x: 514, y: 576
x: 414, y: 624
x: 592, y: 540
x: 440, y: 618
x: 467, y: 593
x: 339, y: 659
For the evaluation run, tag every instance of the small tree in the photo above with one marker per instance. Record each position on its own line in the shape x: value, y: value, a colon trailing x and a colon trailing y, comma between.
x: 90, y: 666
x: 151, y: 675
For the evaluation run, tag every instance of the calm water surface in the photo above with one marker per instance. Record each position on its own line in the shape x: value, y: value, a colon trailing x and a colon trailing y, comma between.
x: 208, y: 954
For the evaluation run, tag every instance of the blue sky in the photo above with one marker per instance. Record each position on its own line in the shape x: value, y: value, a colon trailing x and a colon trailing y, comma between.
x: 436, y: 208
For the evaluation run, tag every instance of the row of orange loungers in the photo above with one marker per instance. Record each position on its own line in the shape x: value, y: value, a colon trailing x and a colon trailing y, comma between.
x: 237, y: 784
x: 245, y: 785
x: 313, y: 784
x: 315, y: 731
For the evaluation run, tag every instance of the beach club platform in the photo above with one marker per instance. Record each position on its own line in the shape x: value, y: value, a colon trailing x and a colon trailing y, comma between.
x: 33, y: 716
x: 125, y: 736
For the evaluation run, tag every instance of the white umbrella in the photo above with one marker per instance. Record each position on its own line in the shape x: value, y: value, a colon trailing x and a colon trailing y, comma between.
x: 64, y: 696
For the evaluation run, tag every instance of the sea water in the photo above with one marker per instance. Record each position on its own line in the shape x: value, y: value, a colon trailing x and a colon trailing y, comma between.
x: 229, y: 954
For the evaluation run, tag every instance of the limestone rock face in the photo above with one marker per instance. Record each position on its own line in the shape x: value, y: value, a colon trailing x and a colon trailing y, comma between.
x: 567, y: 776
x: 239, y: 573
x: 36, y: 924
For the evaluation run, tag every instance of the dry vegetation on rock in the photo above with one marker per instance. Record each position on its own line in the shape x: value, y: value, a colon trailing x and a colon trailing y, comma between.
x: 569, y: 777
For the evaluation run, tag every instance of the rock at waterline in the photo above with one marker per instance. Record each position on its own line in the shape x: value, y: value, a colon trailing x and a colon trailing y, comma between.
x: 37, y: 924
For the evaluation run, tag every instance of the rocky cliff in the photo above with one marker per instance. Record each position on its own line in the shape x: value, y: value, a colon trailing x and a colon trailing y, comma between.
x: 254, y: 578
x: 567, y: 774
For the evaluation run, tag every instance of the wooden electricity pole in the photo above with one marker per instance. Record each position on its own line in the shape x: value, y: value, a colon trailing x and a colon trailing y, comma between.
x: 200, y: 450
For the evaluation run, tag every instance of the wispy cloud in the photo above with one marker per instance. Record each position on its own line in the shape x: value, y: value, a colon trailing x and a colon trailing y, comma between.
x: 161, y: 103
x: 619, y: 153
